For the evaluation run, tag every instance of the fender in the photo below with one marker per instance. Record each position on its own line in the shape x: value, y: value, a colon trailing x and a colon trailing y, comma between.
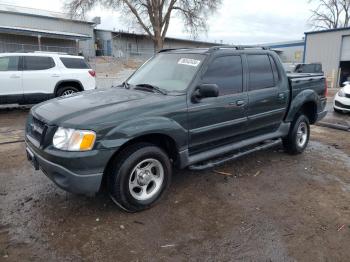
x: 132, y: 129
x: 299, y: 100
x: 67, y: 81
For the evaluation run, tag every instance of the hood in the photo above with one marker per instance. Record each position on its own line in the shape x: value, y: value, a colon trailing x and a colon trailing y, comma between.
x: 92, y: 106
x: 346, y: 89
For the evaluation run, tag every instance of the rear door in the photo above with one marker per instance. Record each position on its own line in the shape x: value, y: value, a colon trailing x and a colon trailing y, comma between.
x: 40, y: 75
x: 11, y: 90
x: 219, y: 120
x: 267, y: 103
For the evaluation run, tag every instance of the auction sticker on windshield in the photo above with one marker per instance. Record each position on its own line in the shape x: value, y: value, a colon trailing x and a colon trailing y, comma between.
x: 189, y: 62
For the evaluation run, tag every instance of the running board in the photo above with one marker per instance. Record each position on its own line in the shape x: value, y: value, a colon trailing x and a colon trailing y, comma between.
x: 221, y: 160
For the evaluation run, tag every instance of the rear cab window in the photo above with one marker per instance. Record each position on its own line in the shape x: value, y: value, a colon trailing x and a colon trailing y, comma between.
x: 9, y: 63
x: 34, y: 63
x: 74, y: 63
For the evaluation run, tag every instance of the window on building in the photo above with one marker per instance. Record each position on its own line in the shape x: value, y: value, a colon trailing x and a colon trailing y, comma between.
x: 226, y: 72
x: 260, y: 72
x: 9, y: 63
x: 74, y: 63
x: 38, y: 63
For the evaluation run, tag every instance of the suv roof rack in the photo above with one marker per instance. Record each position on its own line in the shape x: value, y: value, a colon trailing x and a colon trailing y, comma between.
x: 171, y: 49
x: 237, y: 47
x: 49, y: 52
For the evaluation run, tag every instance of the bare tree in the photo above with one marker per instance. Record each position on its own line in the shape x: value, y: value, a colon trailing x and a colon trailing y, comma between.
x: 330, y: 14
x: 345, y: 4
x: 154, y: 16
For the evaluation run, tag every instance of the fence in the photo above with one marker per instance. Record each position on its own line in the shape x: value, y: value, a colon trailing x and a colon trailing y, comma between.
x: 126, y: 54
x: 15, y: 47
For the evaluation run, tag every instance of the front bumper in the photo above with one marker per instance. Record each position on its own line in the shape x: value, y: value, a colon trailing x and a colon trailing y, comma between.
x: 341, y: 103
x: 87, y: 182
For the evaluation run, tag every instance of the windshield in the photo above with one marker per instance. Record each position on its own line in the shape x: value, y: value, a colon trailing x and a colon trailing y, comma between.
x: 170, y: 72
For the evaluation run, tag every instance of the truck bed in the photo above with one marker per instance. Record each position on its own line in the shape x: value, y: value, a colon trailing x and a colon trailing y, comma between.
x: 300, y: 75
x: 301, y: 81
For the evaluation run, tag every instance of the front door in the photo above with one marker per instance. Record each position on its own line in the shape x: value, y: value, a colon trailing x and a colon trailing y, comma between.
x: 216, y: 121
x: 11, y: 90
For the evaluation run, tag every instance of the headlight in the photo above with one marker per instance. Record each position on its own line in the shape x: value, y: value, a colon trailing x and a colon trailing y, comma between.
x: 73, y: 140
x: 341, y: 93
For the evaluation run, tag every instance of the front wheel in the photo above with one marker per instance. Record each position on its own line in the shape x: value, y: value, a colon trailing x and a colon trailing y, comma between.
x: 298, y: 137
x: 139, y: 177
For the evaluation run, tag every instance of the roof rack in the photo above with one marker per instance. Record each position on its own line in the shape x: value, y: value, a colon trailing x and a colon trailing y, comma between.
x: 171, y: 49
x: 49, y: 52
x: 237, y: 47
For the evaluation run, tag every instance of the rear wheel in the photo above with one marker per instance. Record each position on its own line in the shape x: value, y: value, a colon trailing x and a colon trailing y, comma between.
x: 298, y: 137
x: 139, y: 177
x: 67, y: 90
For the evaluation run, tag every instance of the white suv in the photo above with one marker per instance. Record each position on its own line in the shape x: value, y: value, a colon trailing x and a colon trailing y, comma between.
x: 28, y: 78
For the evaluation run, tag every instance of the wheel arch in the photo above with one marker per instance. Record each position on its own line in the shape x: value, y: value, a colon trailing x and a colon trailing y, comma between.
x: 163, y: 141
x: 68, y: 82
x: 310, y: 110
x: 305, y: 102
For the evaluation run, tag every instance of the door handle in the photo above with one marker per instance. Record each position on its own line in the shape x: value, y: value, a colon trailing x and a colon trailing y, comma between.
x: 55, y: 75
x: 236, y: 103
x: 15, y: 76
x: 281, y: 96
x: 240, y: 102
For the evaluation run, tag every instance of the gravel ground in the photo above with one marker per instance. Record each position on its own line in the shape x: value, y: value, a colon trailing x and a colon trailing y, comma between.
x: 120, y: 77
x: 274, y: 207
x: 112, y: 71
x: 334, y: 118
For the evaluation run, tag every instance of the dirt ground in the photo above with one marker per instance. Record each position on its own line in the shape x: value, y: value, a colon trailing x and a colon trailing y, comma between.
x: 274, y: 207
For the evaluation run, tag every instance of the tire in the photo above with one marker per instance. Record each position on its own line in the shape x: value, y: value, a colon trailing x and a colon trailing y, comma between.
x: 298, y: 137
x: 134, y: 190
x: 67, y: 90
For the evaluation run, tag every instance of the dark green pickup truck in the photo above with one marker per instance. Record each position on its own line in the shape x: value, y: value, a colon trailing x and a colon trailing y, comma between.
x: 191, y: 108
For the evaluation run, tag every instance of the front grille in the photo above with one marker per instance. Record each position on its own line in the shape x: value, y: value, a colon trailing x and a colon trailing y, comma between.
x: 347, y: 95
x: 36, y: 129
x: 338, y: 104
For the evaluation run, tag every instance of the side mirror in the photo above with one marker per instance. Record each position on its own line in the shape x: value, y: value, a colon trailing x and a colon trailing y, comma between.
x: 346, y: 83
x: 204, y: 91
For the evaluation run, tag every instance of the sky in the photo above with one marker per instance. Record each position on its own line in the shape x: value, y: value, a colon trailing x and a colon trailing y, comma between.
x: 236, y: 21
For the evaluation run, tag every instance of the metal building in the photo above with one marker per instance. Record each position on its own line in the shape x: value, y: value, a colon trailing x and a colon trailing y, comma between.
x: 25, y: 29
x: 290, y: 51
x: 332, y: 49
x: 120, y: 44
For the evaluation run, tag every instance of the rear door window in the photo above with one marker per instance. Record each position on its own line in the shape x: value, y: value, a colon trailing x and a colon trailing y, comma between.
x: 260, y: 72
x: 74, y: 63
x: 38, y: 63
x: 226, y: 72
x: 9, y: 63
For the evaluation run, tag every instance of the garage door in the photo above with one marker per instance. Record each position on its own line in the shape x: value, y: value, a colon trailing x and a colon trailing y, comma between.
x: 345, y: 50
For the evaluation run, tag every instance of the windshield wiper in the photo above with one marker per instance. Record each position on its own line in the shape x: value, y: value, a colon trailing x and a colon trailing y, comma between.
x: 153, y: 88
x: 124, y: 84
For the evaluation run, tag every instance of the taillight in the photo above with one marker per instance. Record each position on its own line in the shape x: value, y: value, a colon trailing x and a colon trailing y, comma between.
x: 92, y: 73
x: 326, y: 87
